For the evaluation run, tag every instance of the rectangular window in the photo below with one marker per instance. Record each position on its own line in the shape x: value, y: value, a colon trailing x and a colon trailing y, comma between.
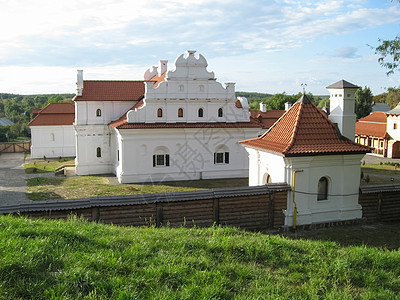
x: 221, y: 158
x: 395, y: 126
x: 161, y: 160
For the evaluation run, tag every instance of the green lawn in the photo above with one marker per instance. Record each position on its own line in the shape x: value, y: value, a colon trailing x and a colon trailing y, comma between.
x: 40, y: 188
x: 46, y: 166
x: 81, y: 260
x: 380, y: 174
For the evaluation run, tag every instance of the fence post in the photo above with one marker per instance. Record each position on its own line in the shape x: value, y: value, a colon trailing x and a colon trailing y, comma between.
x: 216, y: 211
x: 159, y: 214
x: 271, y: 214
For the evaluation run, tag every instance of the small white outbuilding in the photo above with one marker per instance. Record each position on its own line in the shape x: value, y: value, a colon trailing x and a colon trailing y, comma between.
x: 52, y: 131
x: 306, y: 150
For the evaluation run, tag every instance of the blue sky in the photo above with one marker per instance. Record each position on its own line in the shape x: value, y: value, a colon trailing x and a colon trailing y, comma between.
x: 264, y: 46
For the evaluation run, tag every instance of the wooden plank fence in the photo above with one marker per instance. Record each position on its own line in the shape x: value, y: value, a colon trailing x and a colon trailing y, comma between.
x: 252, y: 208
x: 7, y: 147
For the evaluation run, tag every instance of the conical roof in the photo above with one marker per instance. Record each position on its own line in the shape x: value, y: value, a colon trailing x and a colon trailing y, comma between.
x: 305, y: 131
x: 341, y: 84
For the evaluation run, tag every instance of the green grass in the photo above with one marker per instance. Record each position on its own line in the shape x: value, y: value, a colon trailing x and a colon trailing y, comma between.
x: 44, y: 166
x: 80, y: 260
x: 40, y: 188
x: 380, y: 174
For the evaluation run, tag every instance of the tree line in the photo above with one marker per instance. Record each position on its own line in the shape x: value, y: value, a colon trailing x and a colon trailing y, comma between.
x: 18, y: 109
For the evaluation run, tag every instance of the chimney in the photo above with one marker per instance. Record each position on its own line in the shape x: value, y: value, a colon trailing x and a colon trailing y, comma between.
x: 342, y: 103
x: 288, y: 105
x: 162, y: 67
x: 263, y: 107
x: 79, y: 83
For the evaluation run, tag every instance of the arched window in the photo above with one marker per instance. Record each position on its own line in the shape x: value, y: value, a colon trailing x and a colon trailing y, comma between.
x: 98, y: 152
x: 181, y: 88
x: 201, y: 88
x: 159, y: 113
x: 267, y: 178
x: 98, y: 112
x: 180, y: 113
x: 220, y: 112
x: 52, y: 137
x: 201, y: 112
x: 322, y: 189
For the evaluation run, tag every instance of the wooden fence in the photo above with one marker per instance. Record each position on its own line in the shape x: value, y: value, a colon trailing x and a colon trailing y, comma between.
x: 380, y: 202
x: 252, y: 208
x: 15, y: 147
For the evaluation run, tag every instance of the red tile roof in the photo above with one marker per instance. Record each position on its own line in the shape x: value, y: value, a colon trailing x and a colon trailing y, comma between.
x: 185, y: 125
x: 372, y: 125
x: 158, y: 78
x: 268, y: 118
x: 106, y: 90
x: 303, y: 131
x: 55, y: 114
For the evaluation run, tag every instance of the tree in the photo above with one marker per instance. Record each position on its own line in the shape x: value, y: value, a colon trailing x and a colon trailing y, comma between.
x: 363, y: 102
x: 389, y: 52
x: 393, y: 97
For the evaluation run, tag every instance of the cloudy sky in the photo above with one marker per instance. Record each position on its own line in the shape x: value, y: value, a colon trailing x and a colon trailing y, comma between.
x: 267, y: 46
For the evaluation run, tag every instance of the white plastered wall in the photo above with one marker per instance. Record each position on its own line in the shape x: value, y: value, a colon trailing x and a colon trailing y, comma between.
x: 191, y: 153
x: 342, y: 172
x: 52, y: 141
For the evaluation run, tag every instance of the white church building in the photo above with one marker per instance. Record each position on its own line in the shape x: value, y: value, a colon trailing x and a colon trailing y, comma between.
x: 316, y: 156
x: 175, y: 125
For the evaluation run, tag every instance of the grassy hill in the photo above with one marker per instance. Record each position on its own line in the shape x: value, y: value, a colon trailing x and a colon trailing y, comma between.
x: 75, y: 259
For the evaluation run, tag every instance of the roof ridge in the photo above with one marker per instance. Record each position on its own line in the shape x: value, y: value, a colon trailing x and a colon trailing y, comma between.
x: 295, y: 128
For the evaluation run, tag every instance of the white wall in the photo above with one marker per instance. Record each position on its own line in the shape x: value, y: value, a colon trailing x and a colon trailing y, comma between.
x: 342, y: 107
x: 191, y: 153
x: 85, y: 111
x: 343, y: 174
x: 88, y: 139
x: 52, y: 141
x: 391, y: 121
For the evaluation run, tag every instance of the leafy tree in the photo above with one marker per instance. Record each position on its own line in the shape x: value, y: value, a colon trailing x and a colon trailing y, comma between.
x: 324, y: 102
x: 393, y: 97
x: 363, y: 102
x: 389, y: 52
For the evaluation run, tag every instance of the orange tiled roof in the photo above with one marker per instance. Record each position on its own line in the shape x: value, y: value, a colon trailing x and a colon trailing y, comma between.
x: 106, y: 90
x: 304, y: 130
x: 268, y: 118
x: 55, y: 114
x: 158, y: 79
x: 372, y: 125
x: 185, y: 125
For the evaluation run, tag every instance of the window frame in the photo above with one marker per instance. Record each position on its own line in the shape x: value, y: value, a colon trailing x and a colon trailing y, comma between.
x: 220, y: 112
x: 200, y: 112
x: 161, y: 160
x: 98, y: 112
x: 323, y: 183
x: 159, y: 112
x: 221, y: 158
x: 98, y: 152
x: 180, y: 112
